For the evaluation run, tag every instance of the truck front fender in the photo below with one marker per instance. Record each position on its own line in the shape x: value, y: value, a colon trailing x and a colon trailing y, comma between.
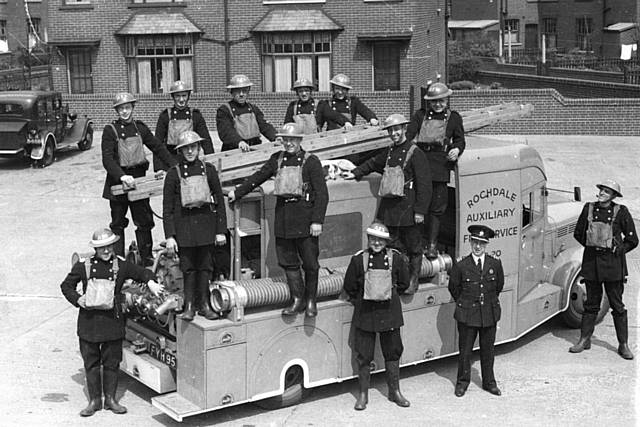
x: 566, y: 267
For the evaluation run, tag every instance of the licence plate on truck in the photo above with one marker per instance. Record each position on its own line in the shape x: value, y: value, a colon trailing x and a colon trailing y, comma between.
x: 162, y: 355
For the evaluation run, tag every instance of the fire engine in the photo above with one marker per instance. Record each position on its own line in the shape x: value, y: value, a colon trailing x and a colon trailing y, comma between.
x: 500, y: 184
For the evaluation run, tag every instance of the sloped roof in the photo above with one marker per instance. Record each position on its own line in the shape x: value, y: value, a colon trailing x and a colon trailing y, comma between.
x: 478, y: 24
x: 277, y: 20
x: 158, y: 23
x: 621, y: 26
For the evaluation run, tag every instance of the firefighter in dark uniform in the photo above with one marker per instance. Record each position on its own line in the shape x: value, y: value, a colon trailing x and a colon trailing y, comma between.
x: 301, y: 205
x: 439, y: 132
x: 100, y: 319
x: 373, y: 281
x: 177, y: 119
x: 240, y: 123
x: 341, y: 110
x: 303, y: 110
x: 607, y: 232
x: 475, y: 282
x: 123, y: 157
x: 405, y: 191
x: 195, y: 220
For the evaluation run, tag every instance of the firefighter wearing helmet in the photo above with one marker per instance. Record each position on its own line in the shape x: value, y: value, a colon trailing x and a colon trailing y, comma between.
x: 100, y: 320
x: 303, y: 110
x: 405, y: 191
x: 177, y: 119
x: 194, y: 221
x: 301, y: 205
x: 607, y: 232
x: 240, y: 123
x: 341, y: 110
x: 438, y: 131
x: 374, y: 279
x: 124, y: 159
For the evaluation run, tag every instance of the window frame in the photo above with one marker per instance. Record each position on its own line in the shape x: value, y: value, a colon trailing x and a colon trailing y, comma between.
x: 399, y: 45
x: 546, y: 30
x: 584, y: 23
x: 510, y: 33
x: 87, y: 53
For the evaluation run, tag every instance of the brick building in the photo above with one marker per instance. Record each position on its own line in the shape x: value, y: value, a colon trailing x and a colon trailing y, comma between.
x: 142, y: 45
x: 23, y: 24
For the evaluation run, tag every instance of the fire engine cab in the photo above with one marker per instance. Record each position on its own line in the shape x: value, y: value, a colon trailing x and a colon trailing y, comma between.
x: 496, y: 183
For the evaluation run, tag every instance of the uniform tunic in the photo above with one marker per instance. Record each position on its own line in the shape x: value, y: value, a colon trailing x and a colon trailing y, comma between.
x: 102, y: 325
x: 193, y: 226
x: 399, y: 211
x: 606, y: 265
x: 199, y: 126
x: 300, y: 107
x: 226, y: 125
x: 454, y: 138
x: 476, y: 294
x: 376, y: 316
x: 331, y: 112
x: 111, y: 160
x: 293, y: 217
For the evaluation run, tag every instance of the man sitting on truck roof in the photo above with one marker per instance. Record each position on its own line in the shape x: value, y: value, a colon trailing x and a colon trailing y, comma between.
x: 405, y: 191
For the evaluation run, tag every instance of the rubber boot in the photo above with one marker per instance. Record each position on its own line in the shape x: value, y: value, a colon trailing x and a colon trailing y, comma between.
x: 586, y: 330
x: 203, y: 290
x: 94, y: 387
x: 432, y: 237
x: 311, y: 291
x: 145, y: 246
x: 415, y: 265
x: 393, y: 382
x: 189, y: 291
x: 109, y: 387
x: 621, y: 324
x: 364, y: 380
x: 294, y: 281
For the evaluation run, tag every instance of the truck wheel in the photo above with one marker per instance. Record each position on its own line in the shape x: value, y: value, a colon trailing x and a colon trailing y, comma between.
x: 572, y: 316
x: 48, y: 155
x: 87, y: 141
x: 293, y: 391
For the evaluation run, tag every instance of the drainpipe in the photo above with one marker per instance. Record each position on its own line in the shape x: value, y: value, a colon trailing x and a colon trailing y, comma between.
x: 227, y: 42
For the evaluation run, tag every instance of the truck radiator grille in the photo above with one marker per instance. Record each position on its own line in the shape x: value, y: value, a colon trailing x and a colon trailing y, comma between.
x: 566, y: 230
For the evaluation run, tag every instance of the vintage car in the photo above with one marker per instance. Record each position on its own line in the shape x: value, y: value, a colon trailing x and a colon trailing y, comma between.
x: 34, y: 124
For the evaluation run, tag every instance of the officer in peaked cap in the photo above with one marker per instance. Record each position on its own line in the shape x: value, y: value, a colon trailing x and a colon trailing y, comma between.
x: 240, y: 123
x: 607, y: 232
x: 303, y: 110
x: 475, y: 283
x: 177, y: 119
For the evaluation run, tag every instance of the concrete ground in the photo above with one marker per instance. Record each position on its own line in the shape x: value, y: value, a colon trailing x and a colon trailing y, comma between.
x: 47, y: 214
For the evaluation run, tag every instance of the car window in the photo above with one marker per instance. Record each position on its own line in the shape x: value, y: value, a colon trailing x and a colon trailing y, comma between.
x: 42, y: 108
x: 6, y: 108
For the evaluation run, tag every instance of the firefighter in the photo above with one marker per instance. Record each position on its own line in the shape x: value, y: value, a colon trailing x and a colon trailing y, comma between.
x: 124, y: 159
x: 373, y: 281
x: 303, y: 110
x: 177, y: 119
x: 100, y: 318
x: 240, y: 123
x: 475, y: 282
x: 438, y: 131
x: 405, y: 191
x: 194, y: 221
x: 607, y: 232
x: 301, y: 205
x: 341, y: 110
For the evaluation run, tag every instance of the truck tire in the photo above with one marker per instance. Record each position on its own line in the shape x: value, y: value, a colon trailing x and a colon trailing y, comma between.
x: 572, y: 316
x: 293, y: 391
x: 87, y: 141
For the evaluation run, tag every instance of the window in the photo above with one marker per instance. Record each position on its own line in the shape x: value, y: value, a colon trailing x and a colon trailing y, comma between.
x: 386, y: 66
x: 34, y: 33
x: 584, y: 31
x: 287, y: 57
x: 72, y: 2
x: 511, y: 31
x: 291, y: 1
x: 3, y: 30
x: 157, y: 61
x: 155, y: 1
x: 79, y: 68
x: 549, y: 29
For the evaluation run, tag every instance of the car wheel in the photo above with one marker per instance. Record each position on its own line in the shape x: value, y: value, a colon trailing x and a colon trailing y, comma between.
x: 87, y: 141
x: 572, y: 316
x: 293, y: 391
x: 48, y: 155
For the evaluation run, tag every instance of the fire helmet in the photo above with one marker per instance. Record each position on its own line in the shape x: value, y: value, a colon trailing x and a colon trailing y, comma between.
x: 393, y: 120
x: 123, y: 98
x: 292, y: 130
x: 188, y: 137
x: 179, y: 86
x: 103, y: 237
x: 611, y: 185
x: 341, y: 80
x: 437, y: 91
x: 239, y: 81
x: 378, y: 229
x: 303, y: 82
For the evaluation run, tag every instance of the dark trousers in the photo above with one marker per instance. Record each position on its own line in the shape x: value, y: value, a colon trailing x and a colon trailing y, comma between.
x: 95, y: 355
x: 406, y: 239
x: 142, y: 218
x: 390, y: 344
x: 222, y: 259
x: 614, y: 292
x: 439, y: 198
x: 466, y: 338
x: 293, y: 252
x: 196, y: 263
